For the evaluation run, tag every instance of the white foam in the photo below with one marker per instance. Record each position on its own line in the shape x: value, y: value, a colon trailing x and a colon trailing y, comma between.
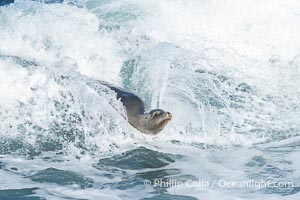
x: 252, y: 42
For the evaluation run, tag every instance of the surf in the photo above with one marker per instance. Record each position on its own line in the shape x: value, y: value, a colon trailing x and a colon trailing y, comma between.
x: 229, y: 77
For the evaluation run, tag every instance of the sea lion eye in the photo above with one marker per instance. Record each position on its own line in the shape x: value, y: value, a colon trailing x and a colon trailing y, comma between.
x: 155, y: 114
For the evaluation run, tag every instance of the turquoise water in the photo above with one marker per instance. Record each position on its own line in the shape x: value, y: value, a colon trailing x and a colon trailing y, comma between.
x: 228, y: 71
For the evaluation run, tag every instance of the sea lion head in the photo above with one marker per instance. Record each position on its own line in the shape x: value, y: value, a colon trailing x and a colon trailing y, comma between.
x: 156, y: 120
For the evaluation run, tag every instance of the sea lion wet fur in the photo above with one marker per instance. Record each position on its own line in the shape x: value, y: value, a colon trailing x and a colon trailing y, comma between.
x: 146, y: 122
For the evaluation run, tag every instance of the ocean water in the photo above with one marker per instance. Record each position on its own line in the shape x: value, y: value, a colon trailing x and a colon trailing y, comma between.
x: 228, y: 71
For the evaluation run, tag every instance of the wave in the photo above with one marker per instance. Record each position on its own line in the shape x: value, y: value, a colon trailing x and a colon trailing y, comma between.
x: 222, y: 89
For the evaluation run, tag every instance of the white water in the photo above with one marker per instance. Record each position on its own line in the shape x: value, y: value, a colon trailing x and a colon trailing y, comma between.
x: 227, y: 70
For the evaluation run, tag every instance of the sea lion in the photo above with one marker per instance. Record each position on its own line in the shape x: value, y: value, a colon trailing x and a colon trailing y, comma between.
x: 146, y: 122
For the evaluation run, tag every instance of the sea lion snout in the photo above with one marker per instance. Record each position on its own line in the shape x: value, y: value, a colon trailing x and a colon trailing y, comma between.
x: 163, y: 120
x: 169, y: 115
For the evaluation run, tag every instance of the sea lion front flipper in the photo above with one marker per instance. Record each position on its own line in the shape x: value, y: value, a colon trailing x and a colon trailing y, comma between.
x: 132, y: 103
